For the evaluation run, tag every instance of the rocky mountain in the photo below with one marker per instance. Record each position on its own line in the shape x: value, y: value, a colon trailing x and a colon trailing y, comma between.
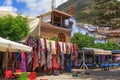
x: 105, y: 13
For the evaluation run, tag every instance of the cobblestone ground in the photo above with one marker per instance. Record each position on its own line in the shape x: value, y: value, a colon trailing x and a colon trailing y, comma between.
x: 113, y: 74
x: 94, y: 75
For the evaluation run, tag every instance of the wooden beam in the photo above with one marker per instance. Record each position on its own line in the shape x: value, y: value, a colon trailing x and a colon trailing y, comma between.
x: 61, y: 21
x: 52, y: 17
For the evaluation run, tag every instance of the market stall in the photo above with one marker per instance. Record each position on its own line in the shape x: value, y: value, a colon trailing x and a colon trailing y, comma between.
x: 93, y: 57
x: 8, y: 47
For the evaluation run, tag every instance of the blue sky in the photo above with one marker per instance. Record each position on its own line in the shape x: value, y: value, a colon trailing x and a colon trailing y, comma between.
x: 28, y: 7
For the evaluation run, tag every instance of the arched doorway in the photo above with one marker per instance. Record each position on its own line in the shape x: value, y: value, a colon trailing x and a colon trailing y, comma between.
x: 62, y: 37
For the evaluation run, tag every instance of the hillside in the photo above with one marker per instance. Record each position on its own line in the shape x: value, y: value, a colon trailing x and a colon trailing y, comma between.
x: 105, y: 13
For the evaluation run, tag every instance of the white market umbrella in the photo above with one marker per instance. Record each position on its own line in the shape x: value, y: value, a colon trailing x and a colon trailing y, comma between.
x: 11, y: 46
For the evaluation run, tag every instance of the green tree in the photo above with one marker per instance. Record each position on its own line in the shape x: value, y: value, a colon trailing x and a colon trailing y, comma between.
x: 15, y: 28
x: 111, y: 46
x: 83, y: 40
x: 54, y: 38
x: 87, y: 41
x: 107, y: 46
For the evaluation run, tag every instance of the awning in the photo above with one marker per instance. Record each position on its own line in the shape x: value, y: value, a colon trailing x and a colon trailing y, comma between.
x: 115, y: 51
x: 97, y: 51
x: 106, y: 52
x: 11, y: 46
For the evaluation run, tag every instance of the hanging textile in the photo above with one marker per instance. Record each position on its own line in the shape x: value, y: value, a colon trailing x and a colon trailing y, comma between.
x: 54, y: 63
x: 29, y: 42
x: 33, y: 43
x: 58, y: 53
x: 46, y: 55
x: 61, y: 47
x: 49, y: 60
x: 49, y: 55
x: 43, y: 61
x: 38, y: 49
x: 61, y: 56
x: 23, y: 62
x: 35, y: 59
x: 68, y: 48
x: 53, y: 47
x: 64, y: 50
x: 4, y: 61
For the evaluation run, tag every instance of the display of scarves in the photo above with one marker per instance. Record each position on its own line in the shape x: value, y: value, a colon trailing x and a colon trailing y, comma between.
x: 61, y: 55
x: 62, y: 61
x: 48, y: 44
x: 68, y: 48
x: 58, y: 53
x: 53, y: 48
x: 38, y: 49
x: 23, y: 62
x: 49, y: 55
x: 42, y: 59
x: 49, y: 60
x: 29, y: 42
x: 35, y: 59
x: 61, y: 49
x: 54, y: 62
x: 64, y: 50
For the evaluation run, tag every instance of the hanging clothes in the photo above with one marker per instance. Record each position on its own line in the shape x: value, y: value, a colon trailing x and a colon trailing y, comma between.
x: 53, y: 47
x: 68, y: 48
x: 23, y: 62
x: 49, y: 55
x: 29, y: 42
x: 61, y: 56
x: 43, y: 61
x: 64, y: 48
x: 35, y: 59
x: 38, y: 50
x: 54, y: 63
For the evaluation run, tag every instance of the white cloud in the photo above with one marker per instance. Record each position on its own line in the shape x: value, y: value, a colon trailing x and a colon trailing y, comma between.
x: 37, y: 7
x: 8, y: 2
x: 8, y: 8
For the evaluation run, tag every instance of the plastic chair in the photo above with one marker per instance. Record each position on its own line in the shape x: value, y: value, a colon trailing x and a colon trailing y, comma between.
x: 8, y: 74
x: 32, y: 76
x: 23, y: 76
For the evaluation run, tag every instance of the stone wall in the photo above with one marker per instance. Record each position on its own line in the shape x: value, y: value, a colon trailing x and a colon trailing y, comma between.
x: 48, y: 31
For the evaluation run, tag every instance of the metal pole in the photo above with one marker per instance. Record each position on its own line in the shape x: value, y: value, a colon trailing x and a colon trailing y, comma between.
x: 83, y: 64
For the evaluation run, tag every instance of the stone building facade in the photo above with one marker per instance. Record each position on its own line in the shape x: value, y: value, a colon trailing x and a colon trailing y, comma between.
x: 56, y: 24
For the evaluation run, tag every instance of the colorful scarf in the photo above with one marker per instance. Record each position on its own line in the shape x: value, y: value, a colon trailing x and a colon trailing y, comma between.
x: 23, y: 62
x: 35, y: 60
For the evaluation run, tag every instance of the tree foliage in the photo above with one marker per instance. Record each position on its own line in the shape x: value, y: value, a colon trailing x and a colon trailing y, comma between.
x: 15, y: 28
x: 54, y: 38
x: 87, y: 41
x: 82, y: 40
x: 107, y: 46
